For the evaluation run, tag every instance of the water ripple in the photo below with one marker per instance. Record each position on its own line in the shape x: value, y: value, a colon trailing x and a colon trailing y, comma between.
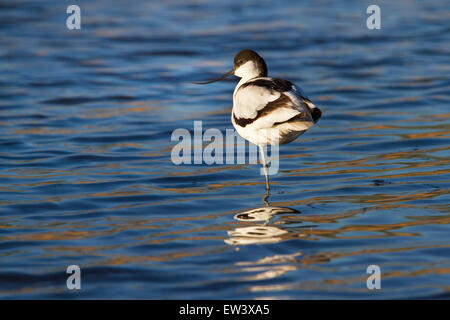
x: 86, y: 175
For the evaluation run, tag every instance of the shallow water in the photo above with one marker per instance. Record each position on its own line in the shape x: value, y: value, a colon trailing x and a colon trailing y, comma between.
x: 86, y: 176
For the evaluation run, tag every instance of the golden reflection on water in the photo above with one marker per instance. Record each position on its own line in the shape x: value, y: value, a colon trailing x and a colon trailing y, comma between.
x: 278, y: 265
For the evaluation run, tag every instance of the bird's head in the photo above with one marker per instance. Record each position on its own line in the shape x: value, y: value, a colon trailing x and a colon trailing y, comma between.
x: 247, y: 64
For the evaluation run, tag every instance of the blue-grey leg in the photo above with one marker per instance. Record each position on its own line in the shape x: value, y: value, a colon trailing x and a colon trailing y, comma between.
x: 263, y: 159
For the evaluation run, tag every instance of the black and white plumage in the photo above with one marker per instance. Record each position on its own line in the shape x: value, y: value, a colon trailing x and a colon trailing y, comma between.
x: 267, y: 111
x: 271, y: 111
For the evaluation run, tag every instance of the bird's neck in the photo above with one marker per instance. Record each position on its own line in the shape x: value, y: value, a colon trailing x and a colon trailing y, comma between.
x: 251, y: 69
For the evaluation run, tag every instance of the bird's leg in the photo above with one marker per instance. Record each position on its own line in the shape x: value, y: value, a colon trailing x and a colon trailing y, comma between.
x: 266, y: 197
x: 263, y: 159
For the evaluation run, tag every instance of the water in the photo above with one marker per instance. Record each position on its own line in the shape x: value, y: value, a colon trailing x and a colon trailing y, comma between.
x: 86, y: 176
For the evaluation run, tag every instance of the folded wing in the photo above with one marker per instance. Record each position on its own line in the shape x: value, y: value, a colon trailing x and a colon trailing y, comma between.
x: 267, y: 103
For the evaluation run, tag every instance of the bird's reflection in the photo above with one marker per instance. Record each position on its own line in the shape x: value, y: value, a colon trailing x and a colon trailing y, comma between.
x: 255, y: 234
x: 263, y: 213
x: 264, y: 231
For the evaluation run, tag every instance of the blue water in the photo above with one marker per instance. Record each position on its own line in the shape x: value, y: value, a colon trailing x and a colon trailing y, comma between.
x: 86, y: 176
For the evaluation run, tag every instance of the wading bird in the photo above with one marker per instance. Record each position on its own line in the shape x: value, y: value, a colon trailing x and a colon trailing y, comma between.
x: 267, y: 111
